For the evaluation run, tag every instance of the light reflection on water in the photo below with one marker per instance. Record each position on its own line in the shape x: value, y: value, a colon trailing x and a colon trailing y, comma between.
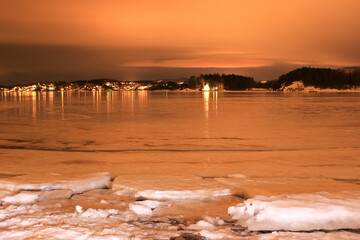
x: 206, y: 95
x: 263, y: 121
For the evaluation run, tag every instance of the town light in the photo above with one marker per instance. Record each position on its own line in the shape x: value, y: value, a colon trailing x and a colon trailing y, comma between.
x: 206, y: 87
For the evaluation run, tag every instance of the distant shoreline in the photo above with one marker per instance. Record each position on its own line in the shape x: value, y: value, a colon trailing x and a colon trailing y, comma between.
x: 304, y: 79
x: 327, y: 90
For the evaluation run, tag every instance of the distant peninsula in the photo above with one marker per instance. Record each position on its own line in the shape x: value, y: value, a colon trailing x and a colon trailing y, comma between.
x: 301, y: 79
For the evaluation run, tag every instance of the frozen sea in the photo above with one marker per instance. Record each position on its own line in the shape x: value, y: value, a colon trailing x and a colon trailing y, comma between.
x: 155, y: 165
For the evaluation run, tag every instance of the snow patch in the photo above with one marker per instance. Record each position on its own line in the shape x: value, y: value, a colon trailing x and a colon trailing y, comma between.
x: 13, y: 210
x: 238, y: 175
x: 208, y: 223
x: 200, y: 225
x: 79, y: 209
x: 294, y: 86
x: 214, y: 221
x: 22, y: 198
x: 102, y: 201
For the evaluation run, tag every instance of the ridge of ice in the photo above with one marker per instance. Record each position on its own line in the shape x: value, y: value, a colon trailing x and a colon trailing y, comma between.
x: 182, y: 194
x: 301, y: 212
x: 77, y: 185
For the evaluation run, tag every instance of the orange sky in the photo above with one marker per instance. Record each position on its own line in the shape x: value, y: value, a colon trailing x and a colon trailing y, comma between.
x: 88, y: 38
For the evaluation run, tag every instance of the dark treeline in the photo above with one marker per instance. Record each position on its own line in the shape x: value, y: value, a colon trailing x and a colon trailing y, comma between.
x: 317, y: 77
x: 219, y: 82
x: 321, y: 78
x: 167, y: 86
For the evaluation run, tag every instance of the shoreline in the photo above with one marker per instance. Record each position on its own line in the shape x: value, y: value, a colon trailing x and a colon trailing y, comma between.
x: 144, y: 207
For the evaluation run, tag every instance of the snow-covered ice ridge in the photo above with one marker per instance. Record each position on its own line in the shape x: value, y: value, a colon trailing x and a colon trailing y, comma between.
x: 76, y: 184
x: 301, y: 212
x: 182, y: 195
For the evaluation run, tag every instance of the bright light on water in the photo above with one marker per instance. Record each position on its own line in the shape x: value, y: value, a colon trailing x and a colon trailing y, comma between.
x: 206, y: 87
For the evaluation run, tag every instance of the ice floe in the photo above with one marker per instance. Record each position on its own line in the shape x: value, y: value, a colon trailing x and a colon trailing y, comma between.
x: 144, y: 208
x: 301, y: 212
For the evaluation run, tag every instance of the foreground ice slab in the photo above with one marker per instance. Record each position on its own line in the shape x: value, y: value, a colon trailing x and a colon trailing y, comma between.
x: 302, y: 212
x: 77, y: 184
